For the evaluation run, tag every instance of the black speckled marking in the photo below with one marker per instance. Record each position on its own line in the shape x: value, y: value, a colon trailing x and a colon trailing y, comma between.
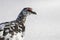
x: 1, y: 38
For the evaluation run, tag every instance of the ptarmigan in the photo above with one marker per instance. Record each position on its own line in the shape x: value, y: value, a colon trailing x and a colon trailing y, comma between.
x: 13, y: 30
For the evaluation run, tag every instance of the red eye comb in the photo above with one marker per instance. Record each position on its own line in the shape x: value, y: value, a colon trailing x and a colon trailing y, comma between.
x: 30, y: 9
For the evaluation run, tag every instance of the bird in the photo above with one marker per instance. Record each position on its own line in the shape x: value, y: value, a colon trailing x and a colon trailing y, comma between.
x: 14, y: 30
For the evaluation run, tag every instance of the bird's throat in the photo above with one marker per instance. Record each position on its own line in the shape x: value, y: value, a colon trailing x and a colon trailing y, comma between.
x: 21, y: 18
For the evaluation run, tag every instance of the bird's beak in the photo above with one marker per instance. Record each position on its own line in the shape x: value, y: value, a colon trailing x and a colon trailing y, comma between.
x: 32, y: 12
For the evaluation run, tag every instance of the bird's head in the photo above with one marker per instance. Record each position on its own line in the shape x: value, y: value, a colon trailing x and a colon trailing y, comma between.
x: 27, y: 11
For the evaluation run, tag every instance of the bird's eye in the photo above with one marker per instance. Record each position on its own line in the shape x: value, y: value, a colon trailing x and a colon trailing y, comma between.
x: 24, y: 13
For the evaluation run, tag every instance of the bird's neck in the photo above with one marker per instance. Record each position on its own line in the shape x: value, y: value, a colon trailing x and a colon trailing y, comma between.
x: 21, y: 18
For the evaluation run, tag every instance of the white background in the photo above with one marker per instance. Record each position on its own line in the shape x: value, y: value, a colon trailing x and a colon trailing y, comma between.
x: 43, y: 26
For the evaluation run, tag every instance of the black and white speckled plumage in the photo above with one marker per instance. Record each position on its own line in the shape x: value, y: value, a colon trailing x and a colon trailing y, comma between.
x: 13, y: 30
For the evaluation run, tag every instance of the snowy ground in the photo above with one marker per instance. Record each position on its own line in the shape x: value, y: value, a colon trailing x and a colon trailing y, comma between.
x: 43, y: 26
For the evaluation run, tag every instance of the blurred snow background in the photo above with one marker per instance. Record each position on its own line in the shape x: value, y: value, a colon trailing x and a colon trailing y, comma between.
x: 43, y: 26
